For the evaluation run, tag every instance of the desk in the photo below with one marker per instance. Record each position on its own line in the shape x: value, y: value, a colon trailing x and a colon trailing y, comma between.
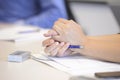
x: 28, y: 70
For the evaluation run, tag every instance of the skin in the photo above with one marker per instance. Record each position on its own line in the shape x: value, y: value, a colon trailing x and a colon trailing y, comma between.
x: 66, y: 32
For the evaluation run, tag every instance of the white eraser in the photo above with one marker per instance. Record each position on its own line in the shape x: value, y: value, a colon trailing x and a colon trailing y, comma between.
x: 19, y: 56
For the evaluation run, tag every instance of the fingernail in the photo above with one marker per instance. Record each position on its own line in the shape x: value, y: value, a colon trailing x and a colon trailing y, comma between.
x: 51, y: 41
x: 56, y: 43
x: 62, y: 43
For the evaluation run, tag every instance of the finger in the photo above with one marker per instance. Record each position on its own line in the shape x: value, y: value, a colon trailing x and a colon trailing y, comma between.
x: 57, y: 38
x: 68, y: 52
x: 51, y: 47
x: 59, y: 27
x: 59, y: 22
x: 77, y: 25
x: 63, y: 20
x: 74, y: 23
x: 55, y: 51
x: 63, y: 49
x: 50, y: 33
x: 48, y: 42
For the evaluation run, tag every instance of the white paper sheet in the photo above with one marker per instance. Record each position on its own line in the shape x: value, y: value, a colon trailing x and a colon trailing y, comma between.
x: 78, y: 65
x: 13, y: 33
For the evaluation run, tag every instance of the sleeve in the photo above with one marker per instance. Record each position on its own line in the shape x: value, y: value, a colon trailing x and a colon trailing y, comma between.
x: 50, y: 11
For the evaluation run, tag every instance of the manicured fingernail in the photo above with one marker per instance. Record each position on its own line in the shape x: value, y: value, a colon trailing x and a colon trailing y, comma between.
x: 56, y: 43
x: 51, y: 41
x: 62, y: 43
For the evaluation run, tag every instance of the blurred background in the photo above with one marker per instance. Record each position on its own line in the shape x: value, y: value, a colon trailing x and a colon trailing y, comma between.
x: 97, y: 17
x: 115, y: 6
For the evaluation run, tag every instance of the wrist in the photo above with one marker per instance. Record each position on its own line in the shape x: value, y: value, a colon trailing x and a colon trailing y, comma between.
x: 83, y: 40
x: 82, y: 45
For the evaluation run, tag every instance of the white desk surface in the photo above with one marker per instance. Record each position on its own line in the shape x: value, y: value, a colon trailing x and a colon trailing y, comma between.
x: 29, y: 69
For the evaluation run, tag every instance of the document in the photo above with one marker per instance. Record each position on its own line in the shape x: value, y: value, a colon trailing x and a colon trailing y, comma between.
x: 77, y: 65
x: 20, y: 33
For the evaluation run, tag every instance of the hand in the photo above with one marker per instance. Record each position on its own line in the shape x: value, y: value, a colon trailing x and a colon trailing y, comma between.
x: 55, y: 48
x: 69, y: 31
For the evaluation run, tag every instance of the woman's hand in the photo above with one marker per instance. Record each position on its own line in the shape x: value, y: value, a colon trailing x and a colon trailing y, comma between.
x: 55, y: 48
x: 69, y: 31
x: 63, y: 34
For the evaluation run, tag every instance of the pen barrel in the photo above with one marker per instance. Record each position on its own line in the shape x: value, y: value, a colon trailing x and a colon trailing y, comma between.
x: 75, y: 46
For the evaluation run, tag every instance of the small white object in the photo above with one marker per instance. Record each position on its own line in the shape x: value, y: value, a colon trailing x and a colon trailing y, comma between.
x: 19, y: 56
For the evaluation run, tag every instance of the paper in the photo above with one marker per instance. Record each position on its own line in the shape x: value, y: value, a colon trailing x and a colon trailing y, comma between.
x: 78, y: 65
x: 15, y: 33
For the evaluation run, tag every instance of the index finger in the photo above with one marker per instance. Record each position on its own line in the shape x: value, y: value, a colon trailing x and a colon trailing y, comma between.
x: 65, y: 21
x: 51, y: 33
x: 47, y: 42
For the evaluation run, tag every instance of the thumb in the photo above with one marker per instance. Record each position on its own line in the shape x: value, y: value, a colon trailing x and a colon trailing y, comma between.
x: 51, y: 33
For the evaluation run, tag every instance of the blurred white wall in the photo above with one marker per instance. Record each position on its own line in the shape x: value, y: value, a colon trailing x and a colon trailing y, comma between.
x: 95, y: 19
x: 112, y: 2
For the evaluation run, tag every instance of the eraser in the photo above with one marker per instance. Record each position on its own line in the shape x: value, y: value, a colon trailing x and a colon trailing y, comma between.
x: 19, y: 56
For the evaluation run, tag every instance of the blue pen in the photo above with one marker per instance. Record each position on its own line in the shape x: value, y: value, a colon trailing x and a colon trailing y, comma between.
x: 76, y: 46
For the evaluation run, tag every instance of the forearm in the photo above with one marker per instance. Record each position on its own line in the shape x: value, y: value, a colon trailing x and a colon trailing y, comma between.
x: 100, y: 47
x: 104, y: 48
x: 113, y: 37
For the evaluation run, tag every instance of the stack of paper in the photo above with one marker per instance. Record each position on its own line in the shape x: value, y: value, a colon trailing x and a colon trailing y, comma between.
x: 77, y: 65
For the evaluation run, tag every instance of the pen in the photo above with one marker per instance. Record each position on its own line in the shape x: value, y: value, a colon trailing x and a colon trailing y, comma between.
x: 29, y: 31
x: 76, y: 46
